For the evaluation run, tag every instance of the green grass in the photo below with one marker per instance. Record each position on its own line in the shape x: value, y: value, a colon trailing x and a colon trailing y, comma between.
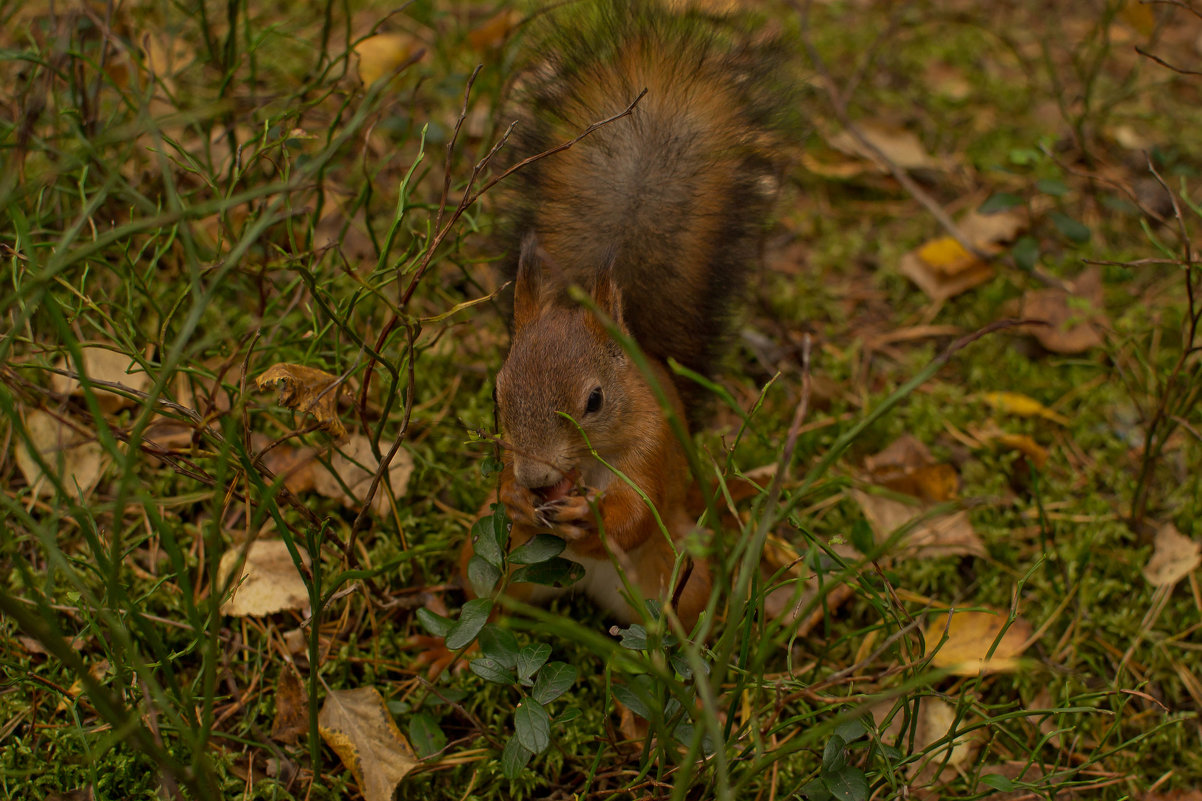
x: 254, y: 205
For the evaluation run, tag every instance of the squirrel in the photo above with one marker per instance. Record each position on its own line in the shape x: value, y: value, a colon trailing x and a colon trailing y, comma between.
x: 657, y: 216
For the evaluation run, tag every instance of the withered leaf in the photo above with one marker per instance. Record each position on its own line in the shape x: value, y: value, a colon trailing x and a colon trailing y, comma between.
x: 307, y: 390
x: 1021, y: 405
x: 381, y: 55
x: 970, y: 636
x: 268, y: 582
x: 1072, y: 319
x: 355, y: 465
x: 935, y: 720
x: 357, y: 725
x: 74, y: 458
x: 291, y: 707
x: 103, y: 363
x: 931, y: 536
x: 1174, y: 557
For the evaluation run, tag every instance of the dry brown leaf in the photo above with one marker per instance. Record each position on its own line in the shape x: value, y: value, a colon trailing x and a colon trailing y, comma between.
x: 898, y: 145
x: 938, y: 535
x: 942, y: 268
x: 268, y: 582
x: 935, y: 720
x: 1072, y: 320
x: 355, y: 465
x: 906, y: 466
x: 1174, y: 557
x: 102, y: 363
x: 307, y: 390
x: 1021, y: 405
x: 988, y: 231
x: 75, y: 459
x: 494, y: 31
x: 970, y: 636
x: 291, y: 707
x: 381, y: 55
x: 357, y: 725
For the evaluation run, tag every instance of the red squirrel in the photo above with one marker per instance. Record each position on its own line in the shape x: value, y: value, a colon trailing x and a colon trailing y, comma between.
x: 657, y: 215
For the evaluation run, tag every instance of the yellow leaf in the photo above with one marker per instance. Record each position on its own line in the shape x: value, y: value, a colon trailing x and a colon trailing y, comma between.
x: 381, y: 55
x: 970, y: 636
x: 1022, y: 405
x: 307, y: 390
x: 268, y: 582
x: 946, y: 255
x: 357, y: 725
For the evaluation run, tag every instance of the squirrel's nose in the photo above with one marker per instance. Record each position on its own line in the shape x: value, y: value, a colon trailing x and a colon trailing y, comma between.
x: 533, y: 474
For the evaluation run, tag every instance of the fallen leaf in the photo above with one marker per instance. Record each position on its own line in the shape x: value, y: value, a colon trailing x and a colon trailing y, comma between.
x: 75, y: 459
x: 970, y: 636
x: 942, y: 268
x: 381, y: 55
x: 102, y: 363
x: 903, y: 148
x: 291, y: 707
x: 355, y: 465
x: 268, y: 582
x: 1021, y: 405
x: 1072, y: 320
x: 1174, y: 556
x: 494, y: 31
x: 935, y: 720
x: 357, y: 725
x: 931, y: 536
x: 307, y: 390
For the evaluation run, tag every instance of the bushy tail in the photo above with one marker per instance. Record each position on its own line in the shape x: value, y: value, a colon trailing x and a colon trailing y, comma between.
x: 678, y: 192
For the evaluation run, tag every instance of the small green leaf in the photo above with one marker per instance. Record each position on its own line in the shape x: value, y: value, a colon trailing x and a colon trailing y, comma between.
x: 999, y: 202
x: 861, y: 537
x: 1073, y: 230
x: 425, y: 735
x: 553, y: 681
x: 490, y: 466
x: 436, y: 624
x: 1051, y: 186
x: 849, y: 784
x: 816, y: 790
x: 833, y: 758
x: 500, y: 526
x: 1026, y: 253
x: 999, y: 782
x: 533, y: 725
x: 484, y: 543
x: 633, y: 699
x: 634, y: 637
x: 851, y: 730
x: 491, y: 670
x: 681, y: 666
x: 530, y: 659
x: 557, y: 572
x: 514, y: 758
x: 499, y: 644
x: 483, y: 575
x: 568, y: 715
x: 538, y: 550
x: 472, y: 618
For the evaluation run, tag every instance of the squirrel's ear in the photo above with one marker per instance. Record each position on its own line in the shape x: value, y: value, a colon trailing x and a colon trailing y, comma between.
x: 529, y: 283
x: 606, y: 293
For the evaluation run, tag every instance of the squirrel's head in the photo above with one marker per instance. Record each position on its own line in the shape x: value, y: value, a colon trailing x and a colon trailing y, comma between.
x: 563, y: 362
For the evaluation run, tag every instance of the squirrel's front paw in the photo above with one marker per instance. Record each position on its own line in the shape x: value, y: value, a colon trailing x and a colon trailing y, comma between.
x: 520, y: 504
x: 570, y: 517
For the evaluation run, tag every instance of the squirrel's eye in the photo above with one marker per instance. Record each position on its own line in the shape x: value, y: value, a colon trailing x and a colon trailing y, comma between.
x: 594, y: 402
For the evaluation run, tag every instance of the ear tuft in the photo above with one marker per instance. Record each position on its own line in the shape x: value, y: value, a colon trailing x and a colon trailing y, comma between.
x: 528, y: 286
x: 606, y: 293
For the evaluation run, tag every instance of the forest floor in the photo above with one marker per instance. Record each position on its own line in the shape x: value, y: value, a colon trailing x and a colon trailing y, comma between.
x: 966, y: 384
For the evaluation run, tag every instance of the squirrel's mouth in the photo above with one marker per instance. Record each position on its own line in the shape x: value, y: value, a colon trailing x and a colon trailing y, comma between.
x: 559, y: 490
